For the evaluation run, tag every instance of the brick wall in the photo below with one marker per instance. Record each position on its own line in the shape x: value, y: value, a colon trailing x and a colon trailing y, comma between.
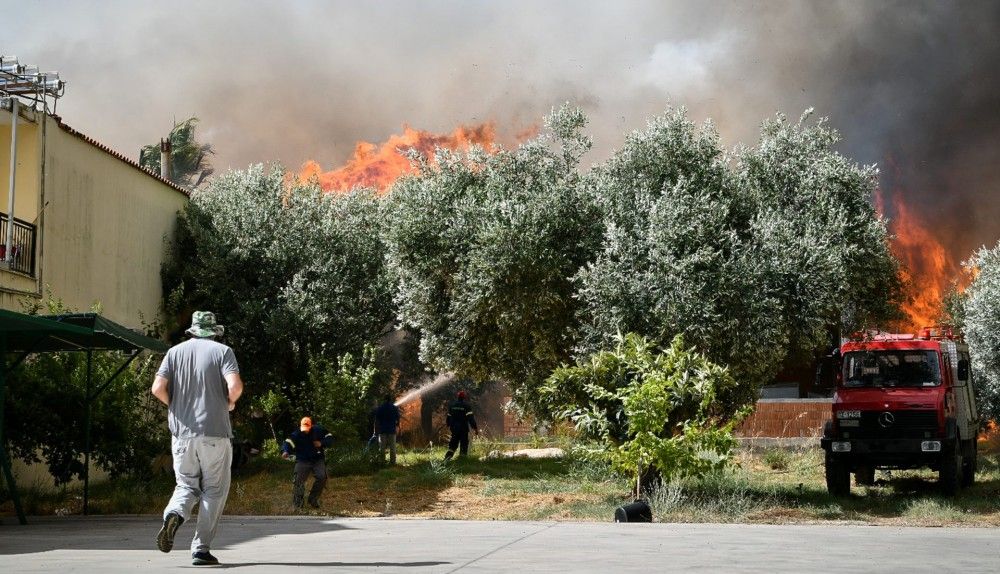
x: 786, y: 418
x: 514, y: 428
x: 772, y: 418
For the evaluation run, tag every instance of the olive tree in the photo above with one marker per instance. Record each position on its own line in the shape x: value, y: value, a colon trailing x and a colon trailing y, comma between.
x: 293, y: 273
x: 750, y: 254
x: 484, y: 247
x: 981, y: 319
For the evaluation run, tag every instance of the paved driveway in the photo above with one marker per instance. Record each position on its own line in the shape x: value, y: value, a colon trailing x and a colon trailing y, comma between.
x: 117, y: 544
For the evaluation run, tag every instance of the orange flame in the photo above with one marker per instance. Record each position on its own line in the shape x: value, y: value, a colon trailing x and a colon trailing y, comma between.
x: 380, y: 165
x: 927, y: 267
x: 990, y: 434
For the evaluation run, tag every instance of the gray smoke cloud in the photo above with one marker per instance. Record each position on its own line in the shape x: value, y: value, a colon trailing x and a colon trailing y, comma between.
x: 914, y: 83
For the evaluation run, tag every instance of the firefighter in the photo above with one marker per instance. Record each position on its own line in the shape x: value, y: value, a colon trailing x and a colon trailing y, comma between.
x: 459, y: 420
x: 306, y: 446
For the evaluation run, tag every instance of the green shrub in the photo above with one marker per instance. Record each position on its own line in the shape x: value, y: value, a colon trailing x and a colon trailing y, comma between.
x: 777, y: 459
x: 666, y: 411
x: 343, y: 392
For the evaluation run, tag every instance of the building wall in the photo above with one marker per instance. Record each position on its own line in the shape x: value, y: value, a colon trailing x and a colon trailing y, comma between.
x: 103, y: 230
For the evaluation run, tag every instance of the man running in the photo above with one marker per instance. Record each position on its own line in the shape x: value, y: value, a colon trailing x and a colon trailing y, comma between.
x: 199, y: 381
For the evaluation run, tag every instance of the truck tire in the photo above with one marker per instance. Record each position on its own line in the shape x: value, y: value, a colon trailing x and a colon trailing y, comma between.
x: 950, y: 473
x: 969, y: 465
x: 838, y: 476
x: 864, y: 475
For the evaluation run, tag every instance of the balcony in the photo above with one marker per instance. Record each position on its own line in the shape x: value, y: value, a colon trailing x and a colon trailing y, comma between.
x: 23, y: 245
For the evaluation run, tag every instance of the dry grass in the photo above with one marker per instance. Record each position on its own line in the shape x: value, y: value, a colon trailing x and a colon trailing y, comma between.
x: 764, y: 487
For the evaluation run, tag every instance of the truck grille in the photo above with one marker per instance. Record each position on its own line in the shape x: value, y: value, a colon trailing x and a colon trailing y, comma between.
x: 904, y: 424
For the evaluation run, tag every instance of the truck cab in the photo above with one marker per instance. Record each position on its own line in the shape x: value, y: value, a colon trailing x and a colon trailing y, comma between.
x: 903, y: 401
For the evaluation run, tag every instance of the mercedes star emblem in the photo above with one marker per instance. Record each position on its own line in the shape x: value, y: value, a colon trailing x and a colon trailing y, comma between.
x: 886, y: 419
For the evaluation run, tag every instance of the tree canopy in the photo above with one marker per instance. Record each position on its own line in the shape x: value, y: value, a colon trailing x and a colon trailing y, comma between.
x: 293, y: 273
x: 981, y: 323
x: 510, y: 263
x: 484, y: 247
x: 751, y: 255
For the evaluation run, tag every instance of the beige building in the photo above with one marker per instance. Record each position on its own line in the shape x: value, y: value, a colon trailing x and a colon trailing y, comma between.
x: 90, y: 225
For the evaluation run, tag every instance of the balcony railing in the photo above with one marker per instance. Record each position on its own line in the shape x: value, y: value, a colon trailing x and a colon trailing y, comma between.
x: 23, y: 245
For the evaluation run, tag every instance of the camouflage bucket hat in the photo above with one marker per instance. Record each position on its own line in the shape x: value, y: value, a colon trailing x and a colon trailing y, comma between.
x: 203, y: 325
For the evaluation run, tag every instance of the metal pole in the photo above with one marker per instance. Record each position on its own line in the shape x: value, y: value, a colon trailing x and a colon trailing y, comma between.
x: 4, y: 458
x: 9, y: 253
x: 120, y: 370
x: 86, y: 451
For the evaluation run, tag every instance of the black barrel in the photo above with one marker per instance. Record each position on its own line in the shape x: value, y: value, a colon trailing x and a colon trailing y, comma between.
x: 637, y: 511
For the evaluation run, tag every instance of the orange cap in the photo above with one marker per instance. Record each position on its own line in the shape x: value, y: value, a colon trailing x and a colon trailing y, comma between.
x: 305, y: 424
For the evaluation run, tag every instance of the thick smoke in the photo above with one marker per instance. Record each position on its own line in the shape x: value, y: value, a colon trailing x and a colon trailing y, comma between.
x: 907, y: 82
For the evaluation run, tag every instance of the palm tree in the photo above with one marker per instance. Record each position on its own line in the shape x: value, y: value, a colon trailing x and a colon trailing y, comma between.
x: 189, y: 165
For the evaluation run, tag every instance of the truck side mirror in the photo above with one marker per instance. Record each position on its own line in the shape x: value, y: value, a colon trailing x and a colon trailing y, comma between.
x: 963, y: 372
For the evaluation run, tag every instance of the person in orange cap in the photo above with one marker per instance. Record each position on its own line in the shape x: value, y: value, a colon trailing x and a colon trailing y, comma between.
x: 306, y: 447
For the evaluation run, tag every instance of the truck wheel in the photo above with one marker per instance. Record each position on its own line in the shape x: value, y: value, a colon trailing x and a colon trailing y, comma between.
x: 864, y: 475
x: 838, y: 476
x: 969, y: 465
x: 950, y: 473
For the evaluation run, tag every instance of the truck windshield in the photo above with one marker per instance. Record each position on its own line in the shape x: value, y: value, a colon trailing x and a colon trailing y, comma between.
x: 891, y: 369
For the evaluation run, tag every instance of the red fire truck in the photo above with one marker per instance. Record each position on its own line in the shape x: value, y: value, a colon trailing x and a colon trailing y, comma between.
x: 903, y: 401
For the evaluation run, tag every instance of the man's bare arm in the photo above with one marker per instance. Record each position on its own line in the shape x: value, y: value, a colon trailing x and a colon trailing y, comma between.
x: 160, y: 389
x: 235, y: 385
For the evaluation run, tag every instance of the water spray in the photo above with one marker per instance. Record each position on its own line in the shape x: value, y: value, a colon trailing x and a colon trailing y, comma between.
x: 437, y: 382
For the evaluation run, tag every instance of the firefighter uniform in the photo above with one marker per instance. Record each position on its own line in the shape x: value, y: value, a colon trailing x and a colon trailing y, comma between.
x: 309, y: 459
x: 460, y: 419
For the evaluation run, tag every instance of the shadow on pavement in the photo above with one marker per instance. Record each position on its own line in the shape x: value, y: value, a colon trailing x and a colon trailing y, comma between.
x: 43, y: 534
x: 329, y: 564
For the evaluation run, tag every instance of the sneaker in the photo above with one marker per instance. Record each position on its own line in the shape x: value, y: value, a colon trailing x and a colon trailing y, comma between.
x: 165, y: 539
x: 204, y: 559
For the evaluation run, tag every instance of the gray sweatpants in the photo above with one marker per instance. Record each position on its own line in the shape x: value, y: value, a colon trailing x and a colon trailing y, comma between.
x: 201, y: 467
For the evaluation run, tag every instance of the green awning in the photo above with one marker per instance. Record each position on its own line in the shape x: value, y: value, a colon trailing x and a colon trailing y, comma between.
x: 74, y: 332
x: 106, y: 335
x: 29, y: 333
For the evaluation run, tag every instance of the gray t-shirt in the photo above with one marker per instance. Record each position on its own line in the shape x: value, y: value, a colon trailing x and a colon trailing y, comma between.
x: 199, y: 397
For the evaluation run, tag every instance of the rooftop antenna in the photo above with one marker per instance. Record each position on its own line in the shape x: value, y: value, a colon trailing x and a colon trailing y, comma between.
x: 26, y: 82
x: 20, y: 83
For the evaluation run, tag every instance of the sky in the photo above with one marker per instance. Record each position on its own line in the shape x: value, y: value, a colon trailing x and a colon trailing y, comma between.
x: 912, y: 86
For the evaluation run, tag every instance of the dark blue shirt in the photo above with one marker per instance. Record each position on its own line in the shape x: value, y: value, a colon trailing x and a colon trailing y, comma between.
x: 301, y: 444
x: 460, y: 417
x: 387, y: 418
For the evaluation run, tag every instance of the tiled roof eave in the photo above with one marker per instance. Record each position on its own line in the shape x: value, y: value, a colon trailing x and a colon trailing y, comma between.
x: 120, y: 156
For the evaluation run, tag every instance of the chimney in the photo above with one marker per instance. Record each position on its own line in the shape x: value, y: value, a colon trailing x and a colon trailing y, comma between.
x: 165, y: 150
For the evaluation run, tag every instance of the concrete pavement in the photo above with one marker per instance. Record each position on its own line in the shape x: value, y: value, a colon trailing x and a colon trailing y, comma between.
x: 125, y: 544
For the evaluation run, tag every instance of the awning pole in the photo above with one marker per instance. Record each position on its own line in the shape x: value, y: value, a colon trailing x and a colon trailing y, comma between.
x: 86, y: 451
x: 8, y: 475
x: 120, y: 370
